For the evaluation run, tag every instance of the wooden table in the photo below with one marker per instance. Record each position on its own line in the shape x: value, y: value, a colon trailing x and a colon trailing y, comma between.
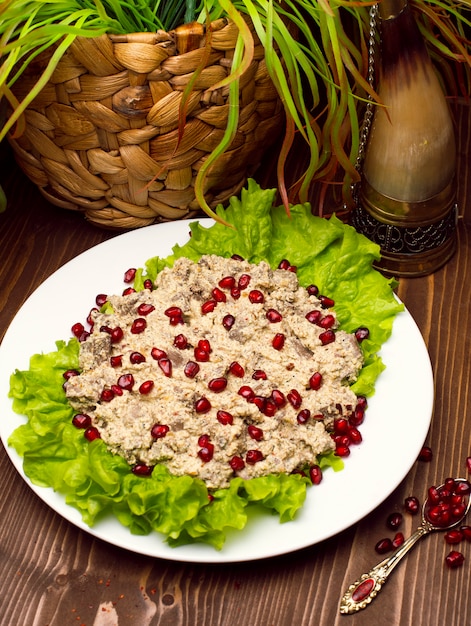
x: 53, y: 574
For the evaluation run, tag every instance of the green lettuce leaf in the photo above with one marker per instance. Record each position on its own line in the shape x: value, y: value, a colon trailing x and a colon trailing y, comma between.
x: 55, y: 453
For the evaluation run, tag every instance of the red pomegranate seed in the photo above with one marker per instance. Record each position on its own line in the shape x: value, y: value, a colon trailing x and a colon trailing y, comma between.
x: 128, y: 291
x: 355, y: 435
x: 116, y: 389
x: 237, y: 463
x: 180, y: 342
x: 116, y: 334
x: 246, y: 392
x: 327, y: 322
x: 218, y: 295
x: 224, y: 417
x: 342, y: 440
x: 255, y: 432
x: 312, y: 290
x: 92, y: 433
x: 425, y: 454
x: 138, y: 326
x: 384, y: 545
x: 315, y: 474
x: 201, y: 355
x: 204, y: 345
x: 228, y: 321
x: 202, y: 405
x: 394, y: 520
x: 136, y: 357
x: 148, y: 284
x: 357, y: 417
x: 256, y: 296
x: 191, y: 369
x: 159, y: 431
x: 462, y: 488
x: 146, y: 387
x: 206, y: 453
x: 208, y: 306
x: 90, y: 316
x: 166, y: 366
x: 278, y: 398
x: 278, y: 341
x: 341, y: 426
x: 362, y: 333
x: 315, y: 381
x: 82, y: 420
x: 126, y: 382
x: 303, y: 416
x: 203, y: 440
x: 130, y: 275
x: 454, y: 559
x: 398, y: 540
x: 244, y: 281
x: 328, y: 336
x: 173, y: 311
x: 235, y: 293
x: 236, y: 369
x: 466, y: 532
x: 273, y: 316
x: 259, y: 401
x: 237, y: 257
x: 116, y: 361
x: 227, y: 282
x: 157, y: 354
x: 468, y: 464
x: 141, y: 469
x: 253, y: 456
x: 100, y: 299
x: 70, y: 374
x: 217, y: 384
x: 326, y: 302
x: 174, y: 321
x: 284, y: 264
x: 269, y: 408
x: 294, y: 398
x: 314, y: 317
x: 107, y: 395
x: 292, y: 268
x: 342, y: 450
x: 259, y: 375
x: 77, y: 329
x: 145, y: 309
x: 453, y: 536
x: 411, y: 505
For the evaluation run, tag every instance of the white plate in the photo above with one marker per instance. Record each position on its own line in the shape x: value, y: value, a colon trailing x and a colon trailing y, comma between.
x: 395, y: 427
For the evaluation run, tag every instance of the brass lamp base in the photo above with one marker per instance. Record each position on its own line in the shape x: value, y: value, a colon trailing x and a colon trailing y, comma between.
x: 416, y: 239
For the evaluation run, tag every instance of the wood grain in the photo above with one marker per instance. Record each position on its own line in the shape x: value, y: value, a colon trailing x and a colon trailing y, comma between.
x: 53, y: 574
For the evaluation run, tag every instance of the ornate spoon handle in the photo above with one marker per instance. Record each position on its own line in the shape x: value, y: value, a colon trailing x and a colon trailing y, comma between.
x: 362, y: 591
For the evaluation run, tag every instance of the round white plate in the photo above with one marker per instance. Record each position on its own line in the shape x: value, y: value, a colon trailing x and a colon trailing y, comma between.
x: 395, y: 427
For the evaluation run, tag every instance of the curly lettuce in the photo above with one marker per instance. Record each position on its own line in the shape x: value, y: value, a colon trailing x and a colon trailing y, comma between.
x: 55, y: 454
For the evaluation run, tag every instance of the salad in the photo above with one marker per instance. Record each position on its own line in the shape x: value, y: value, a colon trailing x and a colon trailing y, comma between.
x: 55, y: 453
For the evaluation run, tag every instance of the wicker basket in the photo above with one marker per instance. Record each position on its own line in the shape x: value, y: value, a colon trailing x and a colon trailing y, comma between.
x: 102, y: 137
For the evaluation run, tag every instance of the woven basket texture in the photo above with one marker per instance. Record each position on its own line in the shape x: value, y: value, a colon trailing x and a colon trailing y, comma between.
x: 103, y: 136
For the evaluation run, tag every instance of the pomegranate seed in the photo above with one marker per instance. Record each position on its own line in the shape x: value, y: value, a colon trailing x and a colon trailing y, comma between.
x: 206, y: 452
x: 235, y: 293
x: 394, y: 521
x: 425, y: 454
x: 70, y: 374
x: 146, y: 387
x: 244, y: 281
x: 90, y: 316
x: 314, y: 317
x: 159, y: 431
x: 398, y: 540
x: 180, y: 342
x: 202, y: 405
x: 294, y: 398
x: 173, y: 311
x: 191, y: 369
x: 312, y: 290
x: 468, y: 464
x: 454, y: 559
x: 174, y: 321
x: 82, y: 420
x: 145, y: 309
x: 362, y: 333
x: 92, y: 433
x: 328, y: 336
x: 224, y: 417
x: 203, y: 440
x: 342, y: 440
x: 116, y: 334
x: 355, y: 436
x: 383, y: 546
x: 327, y: 322
x: 217, y: 384
x: 130, y: 275
x: 273, y: 316
x: 148, y: 284
x: 228, y: 321
x: 453, y: 536
x: 116, y: 389
x: 136, y: 357
x: 462, y: 488
x: 362, y: 403
x: 466, y: 532
x: 107, y: 395
x: 208, y: 307
x: 128, y: 291
x: 315, y: 381
x: 227, y: 282
x: 204, y: 345
x: 269, y: 408
x: 315, y: 474
x: 218, y: 295
x: 256, y: 297
x: 278, y: 341
x: 116, y: 361
x: 284, y: 264
x: 237, y: 257
x: 259, y: 375
x: 141, y: 469
x: 237, y: 463
x: 342, y: 450
x: 157, y: 354
x: 278, y: 398
x: 138, y: 326
x: 236, y: 369
x: 259, y: 401
x: 201, y: 355
x: 255, y: 432
x: 126, y: 382
x: 77, y: 329
x: 303, y: 416
x: 246, y: 392
x: 253, y: 456
x: 166, y: 366
x: 292, y: 268
x: 411, y: 505
x: 341, y: 426
x: 100, y: 299
x: 326, y: 302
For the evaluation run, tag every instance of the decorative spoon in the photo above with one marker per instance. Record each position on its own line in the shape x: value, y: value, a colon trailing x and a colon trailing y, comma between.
x: 445, y: 507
